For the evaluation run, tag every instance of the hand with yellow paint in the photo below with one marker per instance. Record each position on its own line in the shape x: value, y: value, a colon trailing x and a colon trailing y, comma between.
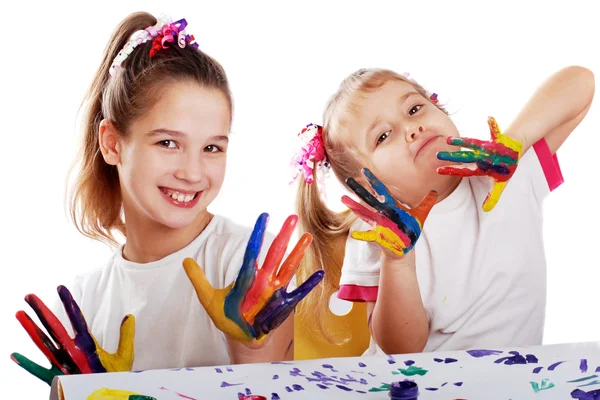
x: 497, y: 159
x: 257, y: 302
x: 79, y: 355
x: 396, y: 227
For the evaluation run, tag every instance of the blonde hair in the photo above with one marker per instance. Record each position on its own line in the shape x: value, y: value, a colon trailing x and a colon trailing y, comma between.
x: 95, y: 200
x: 330, y: 229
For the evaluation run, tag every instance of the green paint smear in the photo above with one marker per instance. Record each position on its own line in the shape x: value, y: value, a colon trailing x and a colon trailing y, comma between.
x: 383, y: 388
x: 544, y: 386
x: 412, y: 370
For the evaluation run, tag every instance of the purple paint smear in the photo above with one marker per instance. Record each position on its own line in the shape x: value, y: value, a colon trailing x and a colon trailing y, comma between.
x: 581, y: 395
x: 229, y: 369
x: 361, y: 391
x: 597, y: 369
x: 322, y: 386
x: 450, y: 360
x: 248, y: 392
x: 275, y: 376
x: 373, y: 375
x: 553, y: 366
x: 583, y: 367
x: 537, y: 370
x: 295, y: 372
x: 408, y: 363
x: 531, y: 359
x: 240, y: 395
x: 458, y: 384
x: 517, y: 358
x: 275, y: 396
x: 483, y: 353
x: 438, y: 360
x: 288, y: 389
x: 391, y: 360
x: 226, y: 384
x: 219, y: 371
x: 444, y: 384
x: 362, y: 365
x: 347, y: 389
x: 297, y: 387
x: 432, y: 389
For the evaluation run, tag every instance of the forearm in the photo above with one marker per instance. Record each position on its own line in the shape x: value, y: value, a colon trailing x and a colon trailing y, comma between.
x: 277, y: 346
x: 555, y: 109
x: 399, y: 323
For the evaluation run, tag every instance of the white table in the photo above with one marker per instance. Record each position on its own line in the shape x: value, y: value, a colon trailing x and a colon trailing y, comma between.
x: 541, y: 372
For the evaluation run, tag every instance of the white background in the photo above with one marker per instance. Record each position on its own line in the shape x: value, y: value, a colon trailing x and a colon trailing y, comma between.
x: 284, y: 60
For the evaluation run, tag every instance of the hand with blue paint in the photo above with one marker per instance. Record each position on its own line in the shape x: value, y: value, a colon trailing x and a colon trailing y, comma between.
x: 396, y: 227
x: 79, y: 355
x: 257, y: 302
x: 224, y: 306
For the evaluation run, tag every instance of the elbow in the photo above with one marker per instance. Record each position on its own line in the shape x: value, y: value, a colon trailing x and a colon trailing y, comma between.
x: 582, y: 79
x: 413, y: 343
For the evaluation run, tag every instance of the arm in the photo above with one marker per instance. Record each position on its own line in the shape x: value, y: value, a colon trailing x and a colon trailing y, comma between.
x: 397, y: 320
x: 555, y: 109
x: 277, y: 346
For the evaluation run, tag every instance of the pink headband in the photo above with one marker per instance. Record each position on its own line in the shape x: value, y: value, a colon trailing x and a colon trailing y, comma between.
x: 311, y: 155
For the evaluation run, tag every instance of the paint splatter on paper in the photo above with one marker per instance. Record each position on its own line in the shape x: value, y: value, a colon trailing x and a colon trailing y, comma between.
x: 544, y: 385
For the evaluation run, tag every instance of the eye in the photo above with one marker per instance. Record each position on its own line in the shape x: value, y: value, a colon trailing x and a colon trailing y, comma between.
x: 169, y: 144
x: 415, y: 109
x: 211, y: 148
x: 383, y: 137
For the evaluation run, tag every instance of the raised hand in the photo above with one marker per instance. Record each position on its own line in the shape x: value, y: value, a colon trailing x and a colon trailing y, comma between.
x: 67, y: 355
x: 257, y: 302
x: 497, y: 159
x: 397, y: 228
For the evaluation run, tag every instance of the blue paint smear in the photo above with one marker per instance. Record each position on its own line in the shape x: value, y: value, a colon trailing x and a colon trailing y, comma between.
x: 240, y: 395
x: 444, y: 384
x: 483, y: 353
x: 248, y: 392
x: 275, y: 376
x: 360, y: 391
x: 531, y: 359
x: 219, y: 371
x: 347, y: 389
x: 431, y: 389
x: 275, y: 396
x: 581, y: 395
x: 229, y: 369
x: 362, y: 365
x: 226, y: 384
x: 288, y: 389
x: 553, y: 366
x: 450, y: 360
x: 583, y: 367
x: 322, y: 386
x: 391, y: 360
x: 457, y: 383
x: 438, y: 360
x: 297, y: 387
x: 537, y: 370
x: 408, y: 363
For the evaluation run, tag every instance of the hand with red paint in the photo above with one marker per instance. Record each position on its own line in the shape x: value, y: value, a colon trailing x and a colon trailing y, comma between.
x: 497, y: 158
x: 78, y: 355
x: 396, y: 227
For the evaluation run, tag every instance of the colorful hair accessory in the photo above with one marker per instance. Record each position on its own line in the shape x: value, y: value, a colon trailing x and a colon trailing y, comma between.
x: 311, y: 153
x: 433, y: 97
x: 162, y: 33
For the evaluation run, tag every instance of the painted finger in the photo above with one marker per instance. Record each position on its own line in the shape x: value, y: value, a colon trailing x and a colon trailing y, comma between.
x: 492, y: 198
x: 56, y: 355
x: 364, y: 194
x: 386, y: 238
x: 282, y: 304
x: 83, y: 339
x: 45, y: 374
x: 459, y: 171
x: 468, y: 143
x: 422, y: 211
x: 369, y: 216
x: 265, y: 275
x: 122, y: 360
x: 379, y: 187
x: 207, y: 295
x: 460, y: 156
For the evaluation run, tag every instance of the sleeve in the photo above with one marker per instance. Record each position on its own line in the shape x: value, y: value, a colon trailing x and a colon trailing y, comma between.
x: 360, y: 270
x: 543, y: 169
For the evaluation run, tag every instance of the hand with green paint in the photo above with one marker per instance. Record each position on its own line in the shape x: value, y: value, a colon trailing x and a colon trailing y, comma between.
x: 497, y: 159
x: 79, y: 355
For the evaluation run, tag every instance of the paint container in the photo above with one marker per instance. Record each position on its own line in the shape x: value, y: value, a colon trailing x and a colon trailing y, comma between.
x: 252, y: 397
x: 404, y: 390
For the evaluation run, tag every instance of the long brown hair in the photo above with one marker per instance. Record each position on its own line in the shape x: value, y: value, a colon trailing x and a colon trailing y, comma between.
x: 95, y: 201
x: 330, y: 229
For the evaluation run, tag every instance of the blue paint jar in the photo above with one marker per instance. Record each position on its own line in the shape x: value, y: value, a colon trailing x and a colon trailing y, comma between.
x: 404, y: 390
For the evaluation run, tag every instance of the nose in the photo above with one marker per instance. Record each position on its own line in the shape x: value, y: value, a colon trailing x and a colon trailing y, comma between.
x: 412, y: 131
x: 190, y: 168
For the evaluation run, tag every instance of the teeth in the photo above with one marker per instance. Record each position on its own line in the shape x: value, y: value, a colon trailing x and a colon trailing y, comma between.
x: 180, y: 197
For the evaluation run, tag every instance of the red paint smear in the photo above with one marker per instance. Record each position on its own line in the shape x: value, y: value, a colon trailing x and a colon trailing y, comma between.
x: 178, y: 394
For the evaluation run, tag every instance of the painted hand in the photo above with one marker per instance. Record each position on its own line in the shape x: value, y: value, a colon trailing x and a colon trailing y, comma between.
x: 397, y: 228
x: 497, y: 159
x: 79, y: 355
x: 236, y: 309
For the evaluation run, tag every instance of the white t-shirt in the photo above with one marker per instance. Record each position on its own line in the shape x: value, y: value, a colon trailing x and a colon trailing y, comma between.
x: 482, y: 275
x: 172, y: 328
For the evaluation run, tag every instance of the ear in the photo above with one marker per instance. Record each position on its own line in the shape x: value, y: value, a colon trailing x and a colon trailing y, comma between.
x: 109, y: 141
